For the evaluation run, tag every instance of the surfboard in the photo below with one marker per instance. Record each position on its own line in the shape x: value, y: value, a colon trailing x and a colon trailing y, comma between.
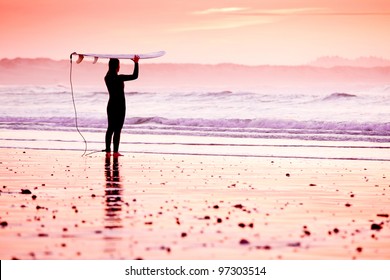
x: 118, y: 56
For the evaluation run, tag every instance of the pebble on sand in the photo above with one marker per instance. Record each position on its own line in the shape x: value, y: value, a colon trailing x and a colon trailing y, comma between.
x: 383, y: 215
x: 294, y: 244
x: 244, y: 242
x: 266, y: 247
x: 376, y: 227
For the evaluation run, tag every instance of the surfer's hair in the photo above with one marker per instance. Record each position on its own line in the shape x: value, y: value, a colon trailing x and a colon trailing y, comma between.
x: 113, y: 65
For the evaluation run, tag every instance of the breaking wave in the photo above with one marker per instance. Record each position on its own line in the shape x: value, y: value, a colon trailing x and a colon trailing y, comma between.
x: 248, y: 128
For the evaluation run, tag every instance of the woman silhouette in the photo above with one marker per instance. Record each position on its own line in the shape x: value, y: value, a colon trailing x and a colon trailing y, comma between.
x: 116, y: 107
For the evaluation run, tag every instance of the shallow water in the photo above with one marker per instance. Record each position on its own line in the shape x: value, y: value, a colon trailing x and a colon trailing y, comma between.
x: 271, y: 114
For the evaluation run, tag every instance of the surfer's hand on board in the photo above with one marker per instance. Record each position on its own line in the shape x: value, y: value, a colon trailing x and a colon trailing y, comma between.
x: 135, y: 59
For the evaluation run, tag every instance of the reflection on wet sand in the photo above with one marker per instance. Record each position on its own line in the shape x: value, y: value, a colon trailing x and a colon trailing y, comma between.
x: 113, y: 195
x: 113, y: 206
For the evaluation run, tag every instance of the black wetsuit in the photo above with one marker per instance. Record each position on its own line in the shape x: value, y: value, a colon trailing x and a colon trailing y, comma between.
x: 116, y: 107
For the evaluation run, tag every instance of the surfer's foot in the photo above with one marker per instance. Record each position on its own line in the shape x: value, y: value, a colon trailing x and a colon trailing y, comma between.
x: 108, y: 154
x: 117, y: 154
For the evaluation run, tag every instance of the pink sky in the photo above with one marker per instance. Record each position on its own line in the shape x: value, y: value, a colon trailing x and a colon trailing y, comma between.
x: 246, y: 31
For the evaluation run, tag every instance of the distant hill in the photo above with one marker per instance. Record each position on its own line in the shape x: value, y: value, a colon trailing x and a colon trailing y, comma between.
x: 333, y: 61
x: 43, y: 71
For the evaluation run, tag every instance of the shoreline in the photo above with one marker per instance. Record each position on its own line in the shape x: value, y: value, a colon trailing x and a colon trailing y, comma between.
x: 167, y: 206
x: 190, y: 145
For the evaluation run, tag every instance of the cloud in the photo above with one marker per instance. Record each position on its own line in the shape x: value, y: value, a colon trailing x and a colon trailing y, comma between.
x: 307, y: 12
x: 251, y: 11
x: 237, y: 17
x: 220, y: 10
x: 293, y: 11
x: 223, y: 24
x: 222, y: 18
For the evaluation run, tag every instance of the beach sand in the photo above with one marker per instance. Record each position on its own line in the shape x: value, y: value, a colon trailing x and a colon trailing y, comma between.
x: 166, y: 206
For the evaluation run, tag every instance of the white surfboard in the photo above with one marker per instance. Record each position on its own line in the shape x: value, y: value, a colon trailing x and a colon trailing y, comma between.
x: 118, y: 56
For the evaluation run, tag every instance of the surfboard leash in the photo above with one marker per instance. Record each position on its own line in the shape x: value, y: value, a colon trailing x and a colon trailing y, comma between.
x: 74, y: 106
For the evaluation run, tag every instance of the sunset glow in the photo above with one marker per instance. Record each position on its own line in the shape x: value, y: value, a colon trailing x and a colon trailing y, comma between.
x: 243, y: 31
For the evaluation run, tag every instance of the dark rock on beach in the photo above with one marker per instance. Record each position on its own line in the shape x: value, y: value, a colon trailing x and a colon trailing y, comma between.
x: 294, y: 244
x: 244, y: 242
x: 376, y: 227
x: 383, y: 215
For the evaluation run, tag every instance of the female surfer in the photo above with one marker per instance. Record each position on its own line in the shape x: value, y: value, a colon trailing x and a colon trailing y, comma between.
x: 116, y: 107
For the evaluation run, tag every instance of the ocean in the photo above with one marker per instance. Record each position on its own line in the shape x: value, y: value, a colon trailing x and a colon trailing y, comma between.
x: 263, y: 123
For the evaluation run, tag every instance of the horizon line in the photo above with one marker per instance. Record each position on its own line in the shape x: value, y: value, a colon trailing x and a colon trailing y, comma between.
x: 310, y: 63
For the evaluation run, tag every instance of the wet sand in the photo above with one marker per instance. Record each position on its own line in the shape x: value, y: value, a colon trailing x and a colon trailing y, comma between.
x: 59, y: 205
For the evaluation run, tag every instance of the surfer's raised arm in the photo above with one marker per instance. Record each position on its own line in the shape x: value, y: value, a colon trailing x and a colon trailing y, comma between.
x: 134, y: 76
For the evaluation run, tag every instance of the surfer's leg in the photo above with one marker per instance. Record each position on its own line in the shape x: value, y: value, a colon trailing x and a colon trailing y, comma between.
x: 109, y: 133
x: 111, y: 127
x: 117, y: 139
x: 118, y: 129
